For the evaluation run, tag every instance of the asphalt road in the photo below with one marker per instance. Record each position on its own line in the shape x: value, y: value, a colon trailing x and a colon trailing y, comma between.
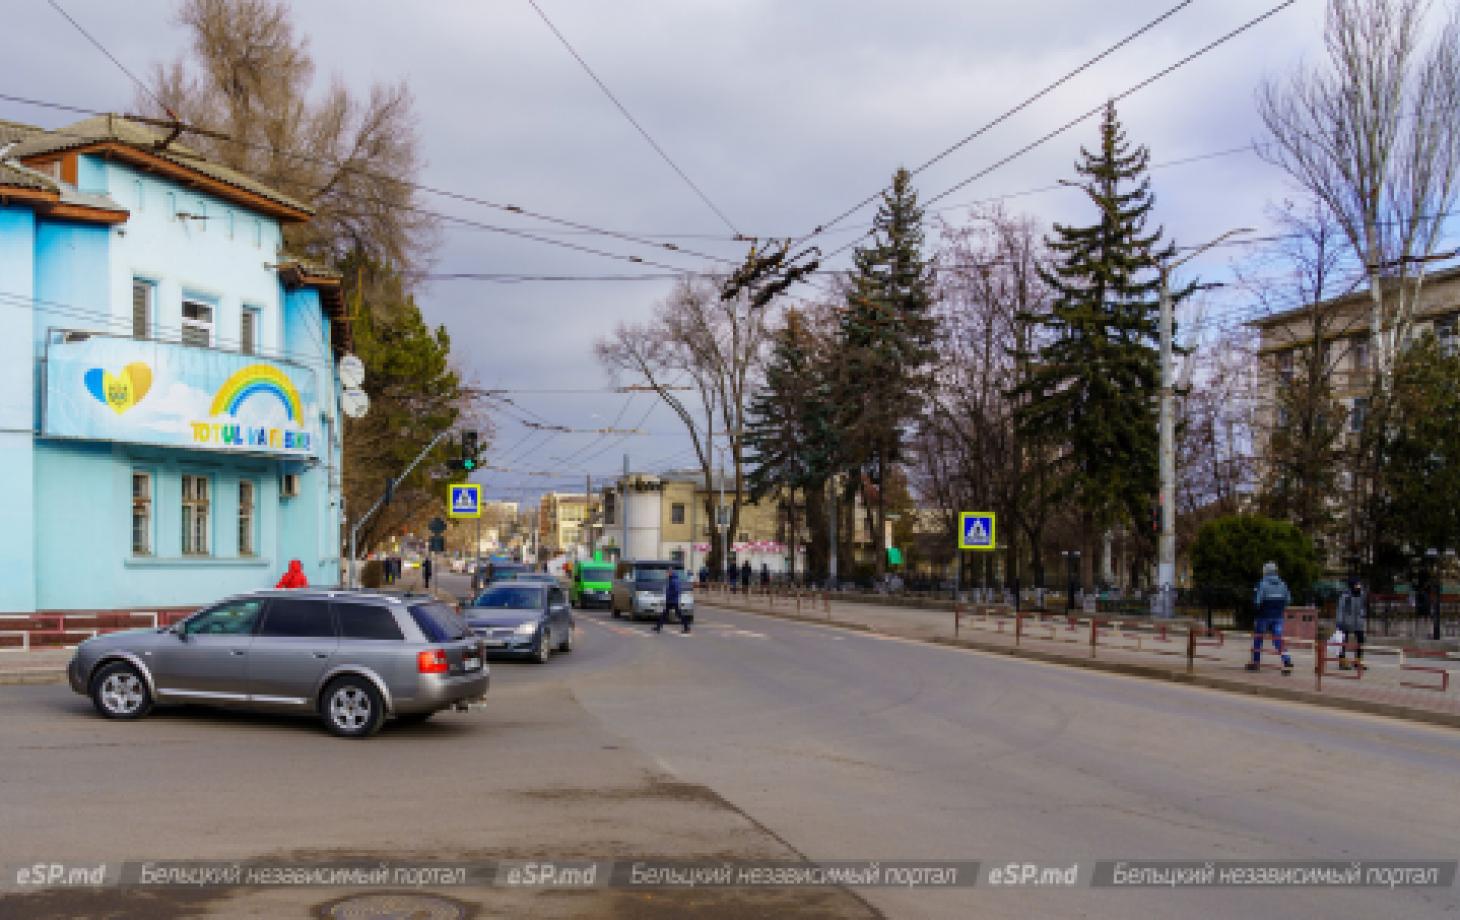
x: 752, y: 737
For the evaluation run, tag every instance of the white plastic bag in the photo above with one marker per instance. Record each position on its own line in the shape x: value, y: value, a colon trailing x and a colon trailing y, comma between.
x: 1335, y: 643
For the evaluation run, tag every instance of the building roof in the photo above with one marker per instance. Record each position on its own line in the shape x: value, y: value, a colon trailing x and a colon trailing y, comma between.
x: 301, y: 271
x: 54, y: 197
x: 14, y: 175
x: 1353, y: 297
x: 154, y: 150
x: 12, y: 131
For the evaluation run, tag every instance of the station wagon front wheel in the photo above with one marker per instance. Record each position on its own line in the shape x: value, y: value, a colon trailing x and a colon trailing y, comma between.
x: 119, y: 692
x: 352, y: 708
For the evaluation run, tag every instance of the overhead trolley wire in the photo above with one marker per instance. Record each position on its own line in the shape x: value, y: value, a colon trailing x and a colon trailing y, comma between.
x: 1006, y: 115
x: 633, y: 121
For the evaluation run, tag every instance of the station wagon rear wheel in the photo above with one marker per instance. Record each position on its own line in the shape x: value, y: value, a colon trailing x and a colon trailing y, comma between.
x: 352, y: 708
x: 119, y: 692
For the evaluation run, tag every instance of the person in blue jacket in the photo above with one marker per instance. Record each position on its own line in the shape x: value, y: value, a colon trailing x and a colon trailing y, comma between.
x: 671, y: 602
x: 1271, y: 600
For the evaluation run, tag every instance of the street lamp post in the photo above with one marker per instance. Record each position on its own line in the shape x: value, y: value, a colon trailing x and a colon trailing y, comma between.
x: 1166, y: 545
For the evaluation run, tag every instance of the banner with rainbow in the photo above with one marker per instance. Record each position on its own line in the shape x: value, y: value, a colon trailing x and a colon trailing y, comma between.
x: 144, y: 392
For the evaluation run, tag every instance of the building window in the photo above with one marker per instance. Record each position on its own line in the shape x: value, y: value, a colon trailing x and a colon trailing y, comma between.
x: 197, y: 324
x: 258, y: 234
x: 1285, y: 366
x: 141, y: 309
x: 141, y: 513
x: 1359, y: 353
x: 1359, y: 413
x: 141, y: 195
x: 248, y: 331
x: 195, y: 515
x: 245, y: 518
x: 231, y: 222
x: 1447, y: 331
x: 201, y: 216
x: 676, y: 513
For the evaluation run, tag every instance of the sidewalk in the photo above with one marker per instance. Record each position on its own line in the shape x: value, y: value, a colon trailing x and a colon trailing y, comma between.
x: 41, y: 666
x: 1393, y: 685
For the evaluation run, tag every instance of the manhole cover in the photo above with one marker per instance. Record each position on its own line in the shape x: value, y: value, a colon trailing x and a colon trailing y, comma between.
x: 395, y: 907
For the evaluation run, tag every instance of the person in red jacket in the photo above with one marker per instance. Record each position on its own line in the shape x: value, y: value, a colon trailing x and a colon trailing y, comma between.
x: 294, y: 578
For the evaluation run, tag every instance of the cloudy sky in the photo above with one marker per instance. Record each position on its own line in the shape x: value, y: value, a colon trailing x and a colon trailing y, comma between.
x: 784, y: 112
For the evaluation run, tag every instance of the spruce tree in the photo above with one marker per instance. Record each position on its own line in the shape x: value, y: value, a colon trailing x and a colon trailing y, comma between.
x: 1094, y: 385
x: 790, y: 435
x: 887, y: 343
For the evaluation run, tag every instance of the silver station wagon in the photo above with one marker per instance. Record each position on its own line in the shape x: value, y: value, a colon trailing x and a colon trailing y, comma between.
x: 352, y: 658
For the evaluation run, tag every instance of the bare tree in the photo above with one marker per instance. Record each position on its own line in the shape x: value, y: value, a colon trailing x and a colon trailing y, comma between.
x: 1215, y: 429
x: 970, y: 453
x: 712, y: 343
x: 1301, y: 426
x: 1371, y: 136
x: 245, y: 84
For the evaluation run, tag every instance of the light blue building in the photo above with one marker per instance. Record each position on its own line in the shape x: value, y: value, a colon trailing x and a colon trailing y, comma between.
x: 169, y: 428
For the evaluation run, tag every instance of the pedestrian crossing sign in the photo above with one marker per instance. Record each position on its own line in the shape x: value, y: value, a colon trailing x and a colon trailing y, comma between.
x: 976, y: 530
x: 466, y: 501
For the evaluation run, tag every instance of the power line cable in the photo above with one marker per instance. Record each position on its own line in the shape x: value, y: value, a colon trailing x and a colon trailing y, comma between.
x: 577, y: 226
x: 112, y: 57
x: 1006, y: 115
x: 1050, y: 135
x: 633, y: 121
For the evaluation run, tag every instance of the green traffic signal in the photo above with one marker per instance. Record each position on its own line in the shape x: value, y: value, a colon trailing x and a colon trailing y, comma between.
x: 469, y: 451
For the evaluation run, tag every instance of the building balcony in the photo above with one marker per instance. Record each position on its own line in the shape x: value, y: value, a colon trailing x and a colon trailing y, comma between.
x: 143, y: 391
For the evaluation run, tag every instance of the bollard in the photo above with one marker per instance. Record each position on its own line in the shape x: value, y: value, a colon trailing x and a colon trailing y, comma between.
x: 1018, y: 626
x: 957, y: 614
x: 1190, y: 649
x: 1320, y: 658
x: 1093, y: 637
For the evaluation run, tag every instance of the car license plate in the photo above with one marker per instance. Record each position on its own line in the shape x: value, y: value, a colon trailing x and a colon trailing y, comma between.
x: 472, y: 664
x: 494, y: 643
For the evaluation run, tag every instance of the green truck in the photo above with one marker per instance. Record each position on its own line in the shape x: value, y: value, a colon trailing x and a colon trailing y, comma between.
x: 592, y: 584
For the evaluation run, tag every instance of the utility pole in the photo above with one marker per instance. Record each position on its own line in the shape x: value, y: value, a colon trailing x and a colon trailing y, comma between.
x: 834, y: 513
x: 624, y: 494
x: 722, y: 522
x: 1166, y: 544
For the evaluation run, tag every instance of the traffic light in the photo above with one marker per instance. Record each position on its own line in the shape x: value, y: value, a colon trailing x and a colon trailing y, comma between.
x: 1156, y: 517
x: 389, y: 489
x: 468, y: 451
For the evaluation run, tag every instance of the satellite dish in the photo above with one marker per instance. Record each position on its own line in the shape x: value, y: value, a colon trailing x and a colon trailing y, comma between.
x: 352, y: 371
x: 354, y: 402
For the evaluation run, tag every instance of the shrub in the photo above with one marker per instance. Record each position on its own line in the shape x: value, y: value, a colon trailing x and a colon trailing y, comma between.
x: 1230, y: 551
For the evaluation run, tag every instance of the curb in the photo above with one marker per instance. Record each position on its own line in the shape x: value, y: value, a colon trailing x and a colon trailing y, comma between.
x: 24, y: 678
x: 1150, y: 672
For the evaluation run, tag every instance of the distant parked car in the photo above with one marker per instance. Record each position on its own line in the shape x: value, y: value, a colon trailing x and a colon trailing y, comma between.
x: 522, y: 618
x: 639, y: 589
x: 353, y: 658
